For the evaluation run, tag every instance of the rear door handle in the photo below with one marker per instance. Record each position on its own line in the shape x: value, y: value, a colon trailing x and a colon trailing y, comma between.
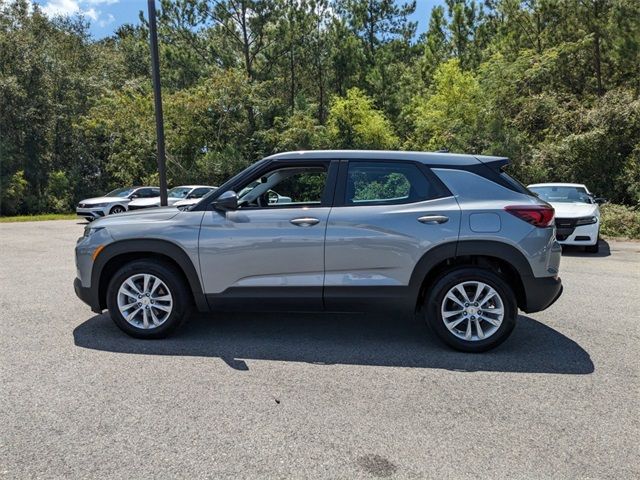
x: 433, y: 219
x: 305, y: 221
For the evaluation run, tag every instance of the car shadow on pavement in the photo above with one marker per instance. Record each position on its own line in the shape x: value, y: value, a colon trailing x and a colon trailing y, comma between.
x: 342, y: 339
x: 573, y: 251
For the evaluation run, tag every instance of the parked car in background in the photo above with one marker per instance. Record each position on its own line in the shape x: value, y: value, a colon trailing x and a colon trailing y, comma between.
x: 577, y: 213
x: 116, y: 201
x: 451, y: 237
x: 176, y: 194
x: 271, y: 197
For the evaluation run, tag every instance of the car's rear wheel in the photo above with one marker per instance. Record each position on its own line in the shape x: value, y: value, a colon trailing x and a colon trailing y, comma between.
x: 147, y: 299
x: 471, y: 309
x: 116, y: 209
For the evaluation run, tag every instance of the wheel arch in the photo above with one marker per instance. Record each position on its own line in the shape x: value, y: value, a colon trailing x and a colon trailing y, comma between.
x: 117, y: 254
x: 122, y: 205
x: 507, y: 260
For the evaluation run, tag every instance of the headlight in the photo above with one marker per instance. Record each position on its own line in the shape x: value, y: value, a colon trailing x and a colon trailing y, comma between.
x: 586, y: 220
x: 97, y: 205
x: 89, y: 230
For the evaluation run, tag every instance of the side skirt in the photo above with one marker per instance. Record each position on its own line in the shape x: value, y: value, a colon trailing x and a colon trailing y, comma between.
x: 310, y: 299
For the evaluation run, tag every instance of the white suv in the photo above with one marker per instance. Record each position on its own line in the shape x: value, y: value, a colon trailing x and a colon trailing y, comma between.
x: 577, y: 213
x: 116, y: 201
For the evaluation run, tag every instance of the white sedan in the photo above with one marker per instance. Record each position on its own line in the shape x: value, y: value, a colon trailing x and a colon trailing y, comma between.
x: 116, y: 201
x: 184, y: 193
x: 577, y: 213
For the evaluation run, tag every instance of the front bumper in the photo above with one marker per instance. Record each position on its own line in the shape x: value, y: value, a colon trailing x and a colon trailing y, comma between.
x: 87, y: 295
x: 91, y: 213
x: 541, y: 292
x: 578, y: 235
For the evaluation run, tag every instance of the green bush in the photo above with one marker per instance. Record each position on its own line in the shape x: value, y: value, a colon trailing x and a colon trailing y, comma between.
x: 58, y: 193
x: 620, y: 221
x: 12, y: 194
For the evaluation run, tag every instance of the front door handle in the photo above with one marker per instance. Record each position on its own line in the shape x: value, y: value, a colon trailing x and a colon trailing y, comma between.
x: 433, y: 219
x: 305, y: 221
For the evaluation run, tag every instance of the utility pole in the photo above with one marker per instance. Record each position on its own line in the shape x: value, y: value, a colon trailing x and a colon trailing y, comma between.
x: 155, y: 74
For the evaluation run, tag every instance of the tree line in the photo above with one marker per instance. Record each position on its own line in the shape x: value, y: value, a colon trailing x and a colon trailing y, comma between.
x: 552, y: 84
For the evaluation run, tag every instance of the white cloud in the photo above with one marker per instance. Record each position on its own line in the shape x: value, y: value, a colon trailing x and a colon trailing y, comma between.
x: 61, y: 7
x: 53, y: 8
x: 101, y: 2
x: 92, y: 13
x: 106, y: 20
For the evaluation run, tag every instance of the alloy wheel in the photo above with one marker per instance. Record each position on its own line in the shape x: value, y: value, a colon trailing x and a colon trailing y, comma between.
x: 472, y: 311
x: 144, y: 301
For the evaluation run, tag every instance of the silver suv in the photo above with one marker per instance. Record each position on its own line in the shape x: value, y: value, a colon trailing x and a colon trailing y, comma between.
x: 451, y: 237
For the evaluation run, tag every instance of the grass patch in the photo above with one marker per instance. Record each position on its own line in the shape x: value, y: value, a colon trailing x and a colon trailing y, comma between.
x: 39, y: 218
x: 620, y: 221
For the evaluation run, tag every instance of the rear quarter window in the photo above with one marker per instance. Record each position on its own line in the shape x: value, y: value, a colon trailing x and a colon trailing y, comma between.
x: 515, y: 185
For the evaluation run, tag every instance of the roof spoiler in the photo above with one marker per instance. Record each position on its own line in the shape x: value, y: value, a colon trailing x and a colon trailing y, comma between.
x: 495, y: 163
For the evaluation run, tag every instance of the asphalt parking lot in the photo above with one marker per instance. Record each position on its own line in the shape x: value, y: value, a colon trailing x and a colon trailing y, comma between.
x: 314, y: 396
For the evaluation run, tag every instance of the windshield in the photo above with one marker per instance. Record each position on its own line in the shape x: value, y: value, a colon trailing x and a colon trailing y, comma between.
x: 248, y: 188
x: 562, y: 194
x: 120, y: 192
x: 179, y: 192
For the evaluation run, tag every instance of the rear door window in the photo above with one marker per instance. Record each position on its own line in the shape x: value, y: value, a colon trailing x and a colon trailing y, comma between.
x: 147, y: 193
x: 386, y: 183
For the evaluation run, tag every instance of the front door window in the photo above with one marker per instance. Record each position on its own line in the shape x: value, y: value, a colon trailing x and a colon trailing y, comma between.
x: 285, y: 187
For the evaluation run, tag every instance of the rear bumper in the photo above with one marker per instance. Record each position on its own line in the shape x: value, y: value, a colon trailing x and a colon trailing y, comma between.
x: 541, y: 293
x: 87, y: 296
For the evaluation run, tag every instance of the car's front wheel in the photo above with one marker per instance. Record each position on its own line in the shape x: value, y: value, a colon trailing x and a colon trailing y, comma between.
x: 592, y: 248
x: 147, y: 299
x: 596, y: 247
x: 471, y: 309
x: 116, y: 209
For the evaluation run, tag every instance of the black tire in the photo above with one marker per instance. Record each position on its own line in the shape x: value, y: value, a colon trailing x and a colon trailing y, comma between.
x: 435, y: 297
x: 117, y: 209
x: 592, y: 248
x: 176, y: 285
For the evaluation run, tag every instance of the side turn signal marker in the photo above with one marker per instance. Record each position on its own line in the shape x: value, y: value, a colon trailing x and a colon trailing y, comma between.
x: 96, y: 252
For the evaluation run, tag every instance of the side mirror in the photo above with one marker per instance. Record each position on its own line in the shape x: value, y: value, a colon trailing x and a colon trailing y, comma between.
x: 135, y: 195
x: 600, y: 200
x: 227, y: 201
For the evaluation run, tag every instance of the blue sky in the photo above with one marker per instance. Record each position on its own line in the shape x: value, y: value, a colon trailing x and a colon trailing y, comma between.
x: 106, y: 15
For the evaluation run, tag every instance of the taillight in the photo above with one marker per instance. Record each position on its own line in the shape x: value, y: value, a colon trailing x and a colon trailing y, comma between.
x: 538, y: 215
